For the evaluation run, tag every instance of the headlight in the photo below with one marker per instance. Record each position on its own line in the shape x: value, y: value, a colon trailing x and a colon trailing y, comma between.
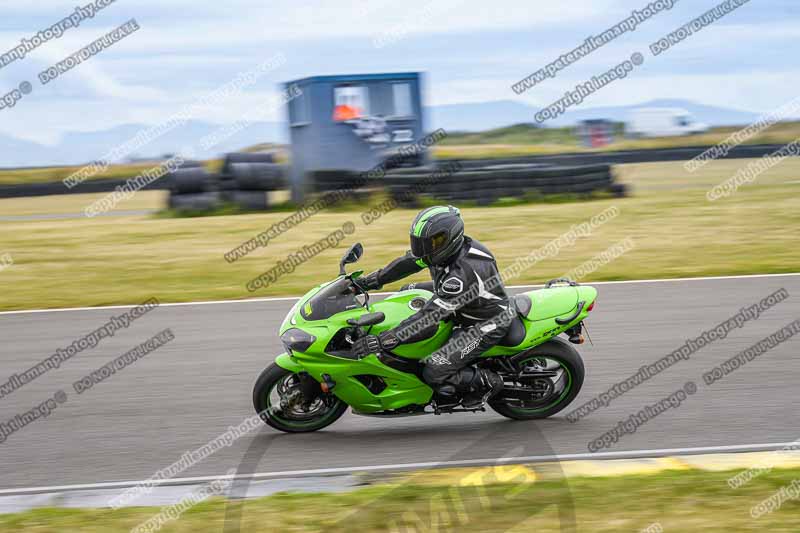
x: 297, y: 340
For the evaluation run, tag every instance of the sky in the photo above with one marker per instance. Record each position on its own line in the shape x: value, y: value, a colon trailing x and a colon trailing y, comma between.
x: 471, y: 51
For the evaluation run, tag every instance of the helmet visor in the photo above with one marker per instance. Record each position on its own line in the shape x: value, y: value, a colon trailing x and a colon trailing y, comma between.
x: 422, y: 247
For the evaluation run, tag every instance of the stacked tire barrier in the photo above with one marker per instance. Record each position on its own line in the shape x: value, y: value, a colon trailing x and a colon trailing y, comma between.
x: 245, y: 180
x: 452, y: 182
x: 192, y: 188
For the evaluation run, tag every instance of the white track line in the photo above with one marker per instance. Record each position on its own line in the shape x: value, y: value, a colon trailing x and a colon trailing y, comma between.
x: 322, y: 472
x: 290, y: 298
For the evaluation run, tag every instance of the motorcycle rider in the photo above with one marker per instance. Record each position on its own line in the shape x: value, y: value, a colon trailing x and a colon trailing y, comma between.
x: 466, y: 287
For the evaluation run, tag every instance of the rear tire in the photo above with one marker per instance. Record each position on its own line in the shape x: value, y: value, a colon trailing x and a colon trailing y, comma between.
x: 570, y: 360
x: 271, y: 379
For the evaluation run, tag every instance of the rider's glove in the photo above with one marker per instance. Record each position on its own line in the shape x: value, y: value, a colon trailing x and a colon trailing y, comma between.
x: 368, y: 283
x: 374, y: 344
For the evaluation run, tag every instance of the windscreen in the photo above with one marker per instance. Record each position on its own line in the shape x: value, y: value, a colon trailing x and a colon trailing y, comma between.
x: 332, y: 299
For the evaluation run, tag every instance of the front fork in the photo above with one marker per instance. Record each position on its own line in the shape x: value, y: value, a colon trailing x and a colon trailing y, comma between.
x: 309, y: 387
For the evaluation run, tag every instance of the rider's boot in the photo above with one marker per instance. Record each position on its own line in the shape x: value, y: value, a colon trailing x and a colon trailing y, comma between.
x: 483, y: 385
x: 447, y: 396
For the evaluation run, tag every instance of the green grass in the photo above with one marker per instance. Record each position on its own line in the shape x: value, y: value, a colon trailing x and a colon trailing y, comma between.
x: 44, y: 175
x: 76, y: 203
x: 677, y: 233
x: 681, y: 501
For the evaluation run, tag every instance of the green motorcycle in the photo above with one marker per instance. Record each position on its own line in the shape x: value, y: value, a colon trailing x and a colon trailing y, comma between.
x: 311, y: 385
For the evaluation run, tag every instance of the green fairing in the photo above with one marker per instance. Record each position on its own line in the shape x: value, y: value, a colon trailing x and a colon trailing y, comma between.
x: 404, y: 389
x: 549, y: 304
x: 287, y: 362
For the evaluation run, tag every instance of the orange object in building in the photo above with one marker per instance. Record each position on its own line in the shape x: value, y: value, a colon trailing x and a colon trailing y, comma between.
x: 345, y: 112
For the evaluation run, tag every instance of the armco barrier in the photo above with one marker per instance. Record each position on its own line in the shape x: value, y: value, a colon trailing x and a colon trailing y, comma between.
x: 57, y: 187
x: 88, y: 186
x: 654, y: 155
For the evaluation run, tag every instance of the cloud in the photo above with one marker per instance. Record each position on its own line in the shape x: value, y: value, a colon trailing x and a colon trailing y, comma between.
x: 473, y: 51
x: 245, y: 23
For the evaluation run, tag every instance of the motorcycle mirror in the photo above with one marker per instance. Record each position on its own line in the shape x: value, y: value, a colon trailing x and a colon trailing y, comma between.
x: 351, y: 256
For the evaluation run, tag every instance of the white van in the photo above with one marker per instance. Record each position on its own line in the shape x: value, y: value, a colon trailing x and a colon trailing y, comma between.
x: 663, y: 122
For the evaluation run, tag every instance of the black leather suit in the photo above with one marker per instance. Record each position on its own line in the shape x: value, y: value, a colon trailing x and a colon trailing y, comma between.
x: 467, y: 289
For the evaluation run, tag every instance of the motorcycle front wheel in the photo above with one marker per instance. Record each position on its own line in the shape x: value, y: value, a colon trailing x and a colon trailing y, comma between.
x: 279, y: 400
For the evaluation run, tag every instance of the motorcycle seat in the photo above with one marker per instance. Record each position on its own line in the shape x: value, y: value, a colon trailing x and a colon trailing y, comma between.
x: 516, y: 333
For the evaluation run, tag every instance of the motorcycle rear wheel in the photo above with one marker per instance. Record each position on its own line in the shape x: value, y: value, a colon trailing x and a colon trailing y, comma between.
x: 289, y: 414
x: 569, y: 382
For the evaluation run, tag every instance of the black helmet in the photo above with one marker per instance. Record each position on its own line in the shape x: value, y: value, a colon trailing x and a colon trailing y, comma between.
x: 436, y: 234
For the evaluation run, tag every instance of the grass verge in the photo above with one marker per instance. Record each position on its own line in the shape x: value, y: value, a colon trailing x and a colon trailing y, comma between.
x: 75, y: 204
x: 690, y: 500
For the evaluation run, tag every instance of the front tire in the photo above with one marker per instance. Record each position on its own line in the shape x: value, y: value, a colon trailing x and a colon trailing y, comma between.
x: 568, y: 359
x: 277, y: 398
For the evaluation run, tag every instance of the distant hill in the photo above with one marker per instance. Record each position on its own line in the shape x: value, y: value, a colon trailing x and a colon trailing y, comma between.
x: 81, y: 147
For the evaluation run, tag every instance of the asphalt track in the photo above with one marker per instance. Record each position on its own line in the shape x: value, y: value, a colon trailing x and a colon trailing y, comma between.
x: 190, y: 390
